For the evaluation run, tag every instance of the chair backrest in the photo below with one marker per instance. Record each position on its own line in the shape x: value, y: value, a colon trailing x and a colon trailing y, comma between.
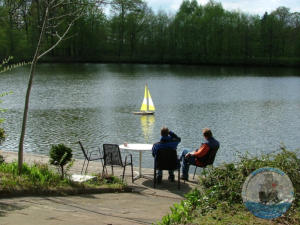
x: 83, y: 150
x: 166, y: 159
x: 211, y: 157
x: 112, y: 155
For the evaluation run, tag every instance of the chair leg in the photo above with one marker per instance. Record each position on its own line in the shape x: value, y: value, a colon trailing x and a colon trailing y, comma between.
x: 103, y: 166
x: 103, y: 170
x: 123, y: 173
x: 195, y: 172
x: 132, y: 173
x: 179, y: 178
x: 83, y: 165
x: 87, y: 166
x: 154, y: 180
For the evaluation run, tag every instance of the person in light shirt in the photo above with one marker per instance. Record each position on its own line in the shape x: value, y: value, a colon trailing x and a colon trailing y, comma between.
x: 200, y: 156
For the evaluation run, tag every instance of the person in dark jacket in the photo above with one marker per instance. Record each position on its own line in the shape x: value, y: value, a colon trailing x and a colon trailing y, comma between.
x: 199, y: 156
x: 168, y: 140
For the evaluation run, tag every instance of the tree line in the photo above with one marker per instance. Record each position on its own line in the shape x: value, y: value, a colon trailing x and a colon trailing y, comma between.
x: 131, y: 32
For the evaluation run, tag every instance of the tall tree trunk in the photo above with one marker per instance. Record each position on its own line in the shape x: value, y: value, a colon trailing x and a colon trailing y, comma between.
x: 11, y: 35
x: 32, y: 71
x: 121, y: 31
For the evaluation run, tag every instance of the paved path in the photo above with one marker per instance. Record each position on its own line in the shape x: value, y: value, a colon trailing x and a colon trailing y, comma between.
x: 125, y: 208
x: 145, y: 205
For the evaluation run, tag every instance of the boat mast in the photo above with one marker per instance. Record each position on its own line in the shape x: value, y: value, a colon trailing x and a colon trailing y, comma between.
x: 147, y: 96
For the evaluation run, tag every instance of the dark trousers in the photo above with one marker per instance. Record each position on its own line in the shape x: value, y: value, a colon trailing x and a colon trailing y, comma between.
x: 186, y: 162
x: 160, y: 173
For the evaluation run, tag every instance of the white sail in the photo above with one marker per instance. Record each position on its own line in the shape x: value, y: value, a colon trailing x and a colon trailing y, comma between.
x: 151, y: 105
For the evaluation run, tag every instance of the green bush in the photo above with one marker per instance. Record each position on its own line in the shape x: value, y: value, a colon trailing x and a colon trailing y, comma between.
x: 222, y: 186
x: 2, y: 135
x: 60, y: 155
x: 1, y: 159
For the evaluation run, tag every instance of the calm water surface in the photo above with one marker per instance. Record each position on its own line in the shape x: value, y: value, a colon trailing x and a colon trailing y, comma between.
x: 252, y: 109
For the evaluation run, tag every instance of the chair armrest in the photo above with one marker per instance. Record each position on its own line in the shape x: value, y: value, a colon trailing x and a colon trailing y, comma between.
x: 95, y: 152
x: 100, y: 153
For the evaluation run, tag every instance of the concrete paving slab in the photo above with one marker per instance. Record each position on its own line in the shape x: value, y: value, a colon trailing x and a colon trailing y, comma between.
x: 125, y: 208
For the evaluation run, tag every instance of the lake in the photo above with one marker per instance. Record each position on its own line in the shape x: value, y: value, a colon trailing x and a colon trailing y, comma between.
x: 248, y: 109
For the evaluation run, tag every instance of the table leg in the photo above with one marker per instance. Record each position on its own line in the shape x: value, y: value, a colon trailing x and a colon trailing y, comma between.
x: 140, y: 165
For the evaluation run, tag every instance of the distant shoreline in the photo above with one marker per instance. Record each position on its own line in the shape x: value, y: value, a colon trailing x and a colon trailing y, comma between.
x: 255, y: 63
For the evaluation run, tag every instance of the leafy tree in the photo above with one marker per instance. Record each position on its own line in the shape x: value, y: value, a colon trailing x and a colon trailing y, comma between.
x: 196, y: 33
x: 58, y: 18
x: 60, y: 155
x: 121, y: 9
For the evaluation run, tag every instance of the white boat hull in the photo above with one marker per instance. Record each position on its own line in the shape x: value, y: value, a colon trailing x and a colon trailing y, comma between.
x: 143, y: 113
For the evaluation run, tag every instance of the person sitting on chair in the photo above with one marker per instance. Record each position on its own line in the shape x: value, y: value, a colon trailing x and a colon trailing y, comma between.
x: 200, y: 156
x: 168, y: 140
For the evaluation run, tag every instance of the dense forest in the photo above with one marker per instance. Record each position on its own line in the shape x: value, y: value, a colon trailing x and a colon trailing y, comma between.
x: 129, y: 31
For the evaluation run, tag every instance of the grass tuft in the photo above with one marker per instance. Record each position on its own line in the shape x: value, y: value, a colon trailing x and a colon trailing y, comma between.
x: 39, y: 178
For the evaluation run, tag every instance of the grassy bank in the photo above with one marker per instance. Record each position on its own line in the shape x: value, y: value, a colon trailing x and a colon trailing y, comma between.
x: 218, y: 199
x: 41, y: 179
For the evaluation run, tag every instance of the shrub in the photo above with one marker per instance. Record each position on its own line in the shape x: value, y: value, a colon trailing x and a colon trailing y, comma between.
x: 2, y: 135
x: 60, y: 155
x: 1, y: 159
x: 222, y: 186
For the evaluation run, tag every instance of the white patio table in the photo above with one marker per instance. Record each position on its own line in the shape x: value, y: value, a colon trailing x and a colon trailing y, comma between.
x: 140, y: 148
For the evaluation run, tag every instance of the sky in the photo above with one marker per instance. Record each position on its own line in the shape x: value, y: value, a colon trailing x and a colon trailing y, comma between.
x: 248, y: 6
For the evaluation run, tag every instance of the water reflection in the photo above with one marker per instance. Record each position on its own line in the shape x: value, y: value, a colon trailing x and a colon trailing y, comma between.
x: 147, y: 125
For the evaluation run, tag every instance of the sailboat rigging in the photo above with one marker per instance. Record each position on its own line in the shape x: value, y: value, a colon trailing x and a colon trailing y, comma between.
x: 147, y: 107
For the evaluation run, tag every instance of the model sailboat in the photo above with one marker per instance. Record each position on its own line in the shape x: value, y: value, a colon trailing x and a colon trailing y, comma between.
x: 147, y: 107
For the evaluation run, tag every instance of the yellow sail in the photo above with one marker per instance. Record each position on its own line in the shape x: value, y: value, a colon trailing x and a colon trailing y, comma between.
x: 144, y: 104
x: 147, y: 104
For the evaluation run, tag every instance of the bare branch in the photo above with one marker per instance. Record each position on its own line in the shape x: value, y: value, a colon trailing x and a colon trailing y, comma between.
x: 57, y: 35
x: 58, y: 4
x: 54, y: 26
x: 96, y: 2
x: 71, y: 36
x: 60, y: 38
x: 65, y: 15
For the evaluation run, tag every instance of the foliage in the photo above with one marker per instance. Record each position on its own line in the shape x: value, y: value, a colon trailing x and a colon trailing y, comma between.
x: 58, y: 18
x: 107, y: 179
x: 222, y: 188
x: 132, y: 32
x: 5, y: 65
x: 41, y: 178
x: 36, y: 176
x: 2, y: 160
x: 2, y: 135
x: 2, y: 132
x: 60, y: 155
x: 2, y: 95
